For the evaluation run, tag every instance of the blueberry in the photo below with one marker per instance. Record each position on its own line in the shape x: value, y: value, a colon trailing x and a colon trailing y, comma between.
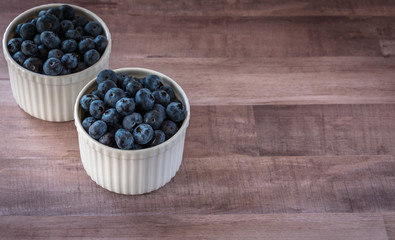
x: 153, y: 118
x: 28, y: 31
x: 110, y: 116
x: 56, y: 12
x: 80, y: 21
x: 124, y: 139
x: 161, y: 97
x: 143, y: 133
x: 87, y: 122
x: 161, y: 109
x: 42, y: 13
x: 65, y: 71
x: 18, y: 30
x: 19, y: 57
x: 67, y: 11
x: 159, y: 137
x: 125, y: 106
x: 55, y: 53
x: 47, y: 22
x: 131, y: 121
x: 106, y: 74
x: 86, y: 101
x: 93, y: 28
x: 33, y: 64
x: 133, y: 87
x: 169, y: 128
x: 100, y: 43
x: 68, y: 46
x: 42, y: 51
x: 176, y: 111
x: 85, y: 45
x: 50, y: 40
x: 32, y: 20
x: 37, y: 39
x: 97, y: 129
x: 66, y: 25
x: 73, y: 34
x: 29, y: 48
x: 80, y: 67
x: 97, y: 108
x: 121, y: 78
x: 113, y: 95
x: 169, y: 91
x: 69, y: 60
x: 152, y: 82
x: 103, y: 88
x: 107, y: 139
x: 14, y: 45
x: 91, y: 57
x: 144, y: 99
x: 53, y: 66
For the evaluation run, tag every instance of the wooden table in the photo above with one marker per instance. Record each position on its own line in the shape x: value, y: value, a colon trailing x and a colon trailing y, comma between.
x: 292, y: 131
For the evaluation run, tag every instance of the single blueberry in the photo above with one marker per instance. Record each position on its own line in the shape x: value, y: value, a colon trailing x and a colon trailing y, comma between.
x: 28, y: 31
x: 161, y: 97
x: 169, y: 91
x: 18, y: 30
x: 80, y: 21
x: 112, y: 96
x: 133, y: 87
x: 159, y: 137
x: 131, y: 121
x: 87, y: 122
x: 42, y: 51
x: 19, y: 57
x: 55, y: 53
x: 97, y: 129
x: 33, y: 64
x: 144, y: 99
x: 107, y: 139
x: 161, y: 109
x: 68, y: 12
x: 106, y: 74
x: 103, y: 88
x: 110, y: 116
x: 42, y: 12
x: 80, y: 67
x: 69, y: 60
x: 68, y: 46
x: 143, y: 133
x: 100, y: 43
x: 73, y: 34
x: 153, y: 118
x: 125, y: 106
x: 176, y: 111
x: 86, y: 101
x: 14, y: 45
x: 97, y: 108
x: 85, y: 45
x: 50, y: 40
x: 124, y: 139
x: 152, y: 82
x: 91, y: 57
x: 93, y: 28
x: 169, y: 128
x: 56, y: 12
x: 66, y: 25
x: 47, y: 22
x: 29, y: 48
x: 37, y: 39
x: 122, y: 77
x: 53, y: 67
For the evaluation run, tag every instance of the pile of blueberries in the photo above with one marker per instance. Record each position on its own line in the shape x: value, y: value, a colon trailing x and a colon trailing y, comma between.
x: 130, y: 113
x: 57, y: 42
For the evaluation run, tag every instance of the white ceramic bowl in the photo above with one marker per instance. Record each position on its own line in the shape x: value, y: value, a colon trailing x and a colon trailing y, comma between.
x: 50, y: 98
x: 132, y: 171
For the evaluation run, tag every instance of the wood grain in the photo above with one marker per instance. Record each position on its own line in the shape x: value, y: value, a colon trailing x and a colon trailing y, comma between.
x: 241, y: 226
x: 389, y: 221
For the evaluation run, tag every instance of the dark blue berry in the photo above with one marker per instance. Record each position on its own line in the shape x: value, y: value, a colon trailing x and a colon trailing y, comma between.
x: 18, y: 30
x: 91, y: 57
x: 100, y: 43
x: 153, y: 118
x: 86, y: 101
x: 125, y: 106
x: 69, y: 60
x: 152, y: 82
x: 19, y: 57
x: 14, y: 45
x: 65, y: 71
x: 50, y: 40
x: 121, y: 78
x: 112, y: 96
x: 29, y: 48
x: 66, y: 25
x: 97, y: 129
x: 144, y: 99
x: 159, y: 137
x: 33, y: 64
x: 103, y: 88
x: 67, y: 11
x: 161, y: 109
x: 107, y: 139
x: 110, y: 116
x: 68, y: 46
x: 143, y: 133
x: 124, y: 139
x: 131, y: 121
x: 87, y: 122
x: 106, y: 74
x: 169, y: 128
x: 169, y: 91
x: 55, y: 53
x: 80, y: 21
x: 42, y: 51
x: 56, y: 12
x: 37, y: 39
x: 176, y: 111
x: 53, y: 66
x: 97, y: 108
x: 161, y: 97
x: 85, y: 45
x: 133, y: 87
x: 47, y: 22
x: 27, y: 31
x: 42, y: 13
x: 93, y: 28
x: 73, y: 34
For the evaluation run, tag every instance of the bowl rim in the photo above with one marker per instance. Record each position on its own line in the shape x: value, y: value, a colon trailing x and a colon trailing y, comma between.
x: 34, y: 11
x: 133, y: 153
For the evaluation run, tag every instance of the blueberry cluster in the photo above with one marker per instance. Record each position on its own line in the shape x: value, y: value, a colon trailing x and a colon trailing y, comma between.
x: 57, y: 42
x: 130, y: 113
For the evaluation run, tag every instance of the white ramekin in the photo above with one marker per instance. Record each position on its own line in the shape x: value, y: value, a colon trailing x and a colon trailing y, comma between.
x: 50, y: 98
x: 132, y: 171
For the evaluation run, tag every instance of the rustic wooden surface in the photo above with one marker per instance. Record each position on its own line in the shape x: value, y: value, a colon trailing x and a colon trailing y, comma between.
x: 292, y: 132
